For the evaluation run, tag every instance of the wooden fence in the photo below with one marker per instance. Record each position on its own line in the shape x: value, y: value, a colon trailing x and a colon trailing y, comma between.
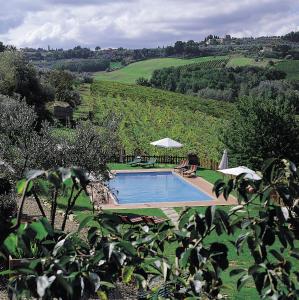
x: 167, y: 159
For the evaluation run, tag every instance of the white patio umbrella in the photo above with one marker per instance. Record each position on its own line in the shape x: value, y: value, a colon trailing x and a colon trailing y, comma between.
x: 167, y: 143
x: 250, y: 174
x: 224, y: 161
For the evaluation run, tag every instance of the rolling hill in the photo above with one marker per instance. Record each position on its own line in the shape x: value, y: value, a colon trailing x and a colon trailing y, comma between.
x: 145, y: 68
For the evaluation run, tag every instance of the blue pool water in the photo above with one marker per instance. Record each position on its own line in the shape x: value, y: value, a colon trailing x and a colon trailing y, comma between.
x: 132, y: 188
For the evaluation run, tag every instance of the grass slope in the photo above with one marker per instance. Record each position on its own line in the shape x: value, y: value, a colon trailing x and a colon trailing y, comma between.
x: 240, y: 61
x: 145, y: 68
x: 290, y: 67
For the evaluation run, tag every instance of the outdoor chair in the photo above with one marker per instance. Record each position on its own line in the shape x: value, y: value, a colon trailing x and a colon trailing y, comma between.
x: 135, y: 219
x: 132, y: 219
x: 124, y: 219
x: 191, y: 172
x: 183, y: 165
x: 157, y: 220
x: 153, y: 220
x: 134, y: 162
x: 150, y: 163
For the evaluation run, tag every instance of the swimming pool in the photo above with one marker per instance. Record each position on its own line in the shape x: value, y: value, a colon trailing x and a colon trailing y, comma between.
x: 149, y: 187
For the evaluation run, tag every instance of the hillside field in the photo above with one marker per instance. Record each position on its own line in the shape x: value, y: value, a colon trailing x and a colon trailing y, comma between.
x: 241, y: 61
x: 145, y: 68
x: 290, y: 67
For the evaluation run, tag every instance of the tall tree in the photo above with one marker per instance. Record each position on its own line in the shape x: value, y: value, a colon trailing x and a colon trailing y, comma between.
x: 179, y: 47
x: 262, y: 128
x: 2, y: 47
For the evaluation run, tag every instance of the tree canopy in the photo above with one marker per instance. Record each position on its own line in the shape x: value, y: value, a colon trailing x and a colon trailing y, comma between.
x: 262, y: 127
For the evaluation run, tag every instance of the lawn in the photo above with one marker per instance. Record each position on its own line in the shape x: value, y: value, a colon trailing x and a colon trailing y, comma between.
x: 145, y: 68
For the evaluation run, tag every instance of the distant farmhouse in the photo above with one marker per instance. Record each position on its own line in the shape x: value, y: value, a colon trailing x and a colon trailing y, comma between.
x: 227, y: 40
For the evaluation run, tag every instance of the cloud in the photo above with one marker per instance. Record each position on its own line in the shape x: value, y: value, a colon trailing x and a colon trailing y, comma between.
x: 139, y: 23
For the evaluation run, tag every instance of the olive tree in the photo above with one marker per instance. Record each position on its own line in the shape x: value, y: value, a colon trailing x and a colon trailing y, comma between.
x: 22, y: 146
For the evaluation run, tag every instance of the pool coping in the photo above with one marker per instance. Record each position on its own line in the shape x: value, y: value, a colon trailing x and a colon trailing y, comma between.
x: 198, y: 182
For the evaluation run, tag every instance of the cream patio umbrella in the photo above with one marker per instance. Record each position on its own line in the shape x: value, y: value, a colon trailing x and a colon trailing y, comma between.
x: 167, y: 143
x: 250, y: 174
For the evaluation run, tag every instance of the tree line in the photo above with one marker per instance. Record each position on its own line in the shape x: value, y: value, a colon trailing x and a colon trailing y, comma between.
x: 212, y: 81
x: 83, y: 65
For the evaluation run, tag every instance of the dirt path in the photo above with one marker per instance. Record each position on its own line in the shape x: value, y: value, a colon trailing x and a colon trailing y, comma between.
x: 31, y: 209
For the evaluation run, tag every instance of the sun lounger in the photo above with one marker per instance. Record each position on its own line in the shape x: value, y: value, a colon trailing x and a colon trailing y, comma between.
x: 136, y: 219
x: 130, y: 219
x: 183, y: 165
x: 158, y: 220
x: 134, y: 162
x: 124, y: 219
x: 191, y: 172
x: 150, y: 163
x: 153, y: 220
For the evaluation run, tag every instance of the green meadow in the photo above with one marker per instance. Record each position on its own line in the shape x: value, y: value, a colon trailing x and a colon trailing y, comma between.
x: 241, y: 61
x: 145, y: 68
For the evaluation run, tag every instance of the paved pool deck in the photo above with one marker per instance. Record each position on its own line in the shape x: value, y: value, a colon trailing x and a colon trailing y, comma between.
x: 197, y: 182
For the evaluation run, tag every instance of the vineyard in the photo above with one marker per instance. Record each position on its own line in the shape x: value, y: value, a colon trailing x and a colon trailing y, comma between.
x: 210, y: 64
x: 150, y: 114
x: 158, y: 97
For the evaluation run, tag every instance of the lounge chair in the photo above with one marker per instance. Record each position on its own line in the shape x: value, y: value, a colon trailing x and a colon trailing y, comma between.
x: 157, y: 220
x: 191, y: 172
x: 153, y: 220
x: 124, y: 219
x: 183, y: 165
x: 132, y: 219
x: 134, y: 162
x: 137, y: 219
x: 150, y: 163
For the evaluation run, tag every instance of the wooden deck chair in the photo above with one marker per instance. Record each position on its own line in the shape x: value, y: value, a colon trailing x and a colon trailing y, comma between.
x: 181, y: 164
x: 136, y: 219
x: 191, y: 172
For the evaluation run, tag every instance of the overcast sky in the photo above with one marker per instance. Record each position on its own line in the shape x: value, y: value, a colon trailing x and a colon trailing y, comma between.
x: 139, y: 23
